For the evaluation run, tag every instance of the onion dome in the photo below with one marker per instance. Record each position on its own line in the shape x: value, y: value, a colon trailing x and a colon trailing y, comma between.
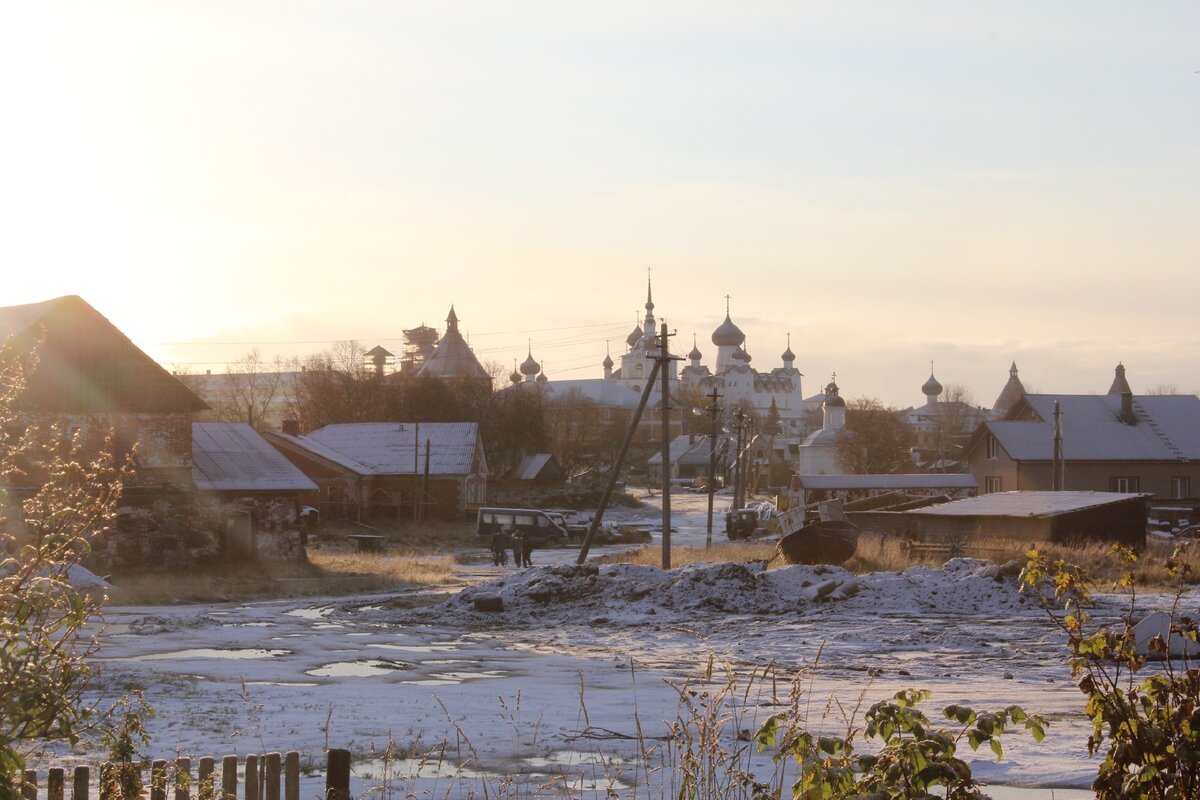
x: 634, y: 337
x: 542, y: 378
x: 529, y: 366
x: 788, y: 355
x: 695, y: 355
x: 608, y: 362
x: 931, y: 387
x: 515, y: 377
x: 832, y: 398
x: 740, y: 355
x: 728, y: 334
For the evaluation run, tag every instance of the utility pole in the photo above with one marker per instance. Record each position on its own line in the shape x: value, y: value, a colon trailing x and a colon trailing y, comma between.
x: 714, y: 410
x: 616, y: 467
x: 1056, y: 480
x: 664, y: 363
x: 739, y: 422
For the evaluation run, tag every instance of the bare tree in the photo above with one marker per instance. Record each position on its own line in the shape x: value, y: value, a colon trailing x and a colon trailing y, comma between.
x: 875, y: 440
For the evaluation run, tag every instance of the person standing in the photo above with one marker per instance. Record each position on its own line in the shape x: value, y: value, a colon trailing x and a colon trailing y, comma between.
x: 518, y: 546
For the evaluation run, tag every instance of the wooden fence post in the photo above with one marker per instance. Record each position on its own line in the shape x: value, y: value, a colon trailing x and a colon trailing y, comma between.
x: 79, y: 788
x: 272, y: 773
x: 54, y: 784
x: 229, y: 777
x: 337, y: 775
x: 204, y: 779
x: 29, y: 785
x: 183, y: 778
x: 291, y: 780
x: 158, y: 780
x: 251, y: 777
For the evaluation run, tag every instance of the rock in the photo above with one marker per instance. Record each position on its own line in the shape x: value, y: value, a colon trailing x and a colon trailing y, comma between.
x: 820, y: 590
x: 1158, y: 623
x: 489, y: 603
x: 1011, y: 569
x: 1008, y: 676
x: 847, y: 588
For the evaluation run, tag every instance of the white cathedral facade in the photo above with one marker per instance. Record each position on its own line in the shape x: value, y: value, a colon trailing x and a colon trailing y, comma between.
x: 736, y: 381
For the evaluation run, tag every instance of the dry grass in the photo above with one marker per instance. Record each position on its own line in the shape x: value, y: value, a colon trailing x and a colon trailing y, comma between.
x: 878, y: 553
x: 651, y: 555
x: 333, y: 567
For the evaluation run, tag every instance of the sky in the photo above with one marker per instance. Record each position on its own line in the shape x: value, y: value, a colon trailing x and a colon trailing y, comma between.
x: 890, y: 184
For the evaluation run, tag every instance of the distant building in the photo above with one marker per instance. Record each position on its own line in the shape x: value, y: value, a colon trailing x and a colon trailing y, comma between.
x: 941, y: 427
x: 817, y: 453
x: 378, y: 469
x: 452, y: 357
x: 1114, y: 442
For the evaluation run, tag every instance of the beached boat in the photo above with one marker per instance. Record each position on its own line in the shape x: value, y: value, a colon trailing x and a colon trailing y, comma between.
x: 825, y: 542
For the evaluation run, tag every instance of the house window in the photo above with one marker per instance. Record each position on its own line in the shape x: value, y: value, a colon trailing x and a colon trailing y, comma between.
x: 991, y: 485
x: 1181, y: 486
x: 993, y: 449
x: 1127, y: 484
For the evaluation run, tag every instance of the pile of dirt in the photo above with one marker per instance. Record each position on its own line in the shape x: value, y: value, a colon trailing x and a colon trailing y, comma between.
x: 634, y: 593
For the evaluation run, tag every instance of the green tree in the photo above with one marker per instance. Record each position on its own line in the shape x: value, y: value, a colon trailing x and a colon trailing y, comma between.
x: 875, y: 439
x: 55, y: 500
x: 1147, y: 728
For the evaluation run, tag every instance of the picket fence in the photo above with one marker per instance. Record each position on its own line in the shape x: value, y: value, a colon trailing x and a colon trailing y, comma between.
x: 265, y: 778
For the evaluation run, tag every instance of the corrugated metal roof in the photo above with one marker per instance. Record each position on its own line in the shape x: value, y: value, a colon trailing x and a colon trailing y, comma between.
x: 889, y: 482
x: 392, y: 448
x: 231, y: 456
x: 1026, y: 504
x: 1168, y: 428
x: 531, y: 466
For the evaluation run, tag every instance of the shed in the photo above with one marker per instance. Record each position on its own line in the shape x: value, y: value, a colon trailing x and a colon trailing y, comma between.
x: 1055, y: 517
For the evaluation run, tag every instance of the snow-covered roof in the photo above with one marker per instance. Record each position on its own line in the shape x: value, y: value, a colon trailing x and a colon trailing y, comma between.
x: 683, y: 446
x: 530, y: 467
x: 1168, y: 429
x: 232, y: 456
x: 392, y: 448
x: 1025, y: 504
x: 598, y: 390
x: 889, y: 482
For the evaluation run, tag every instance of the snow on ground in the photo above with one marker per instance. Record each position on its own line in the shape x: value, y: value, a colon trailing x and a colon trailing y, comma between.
x: 558, y: 683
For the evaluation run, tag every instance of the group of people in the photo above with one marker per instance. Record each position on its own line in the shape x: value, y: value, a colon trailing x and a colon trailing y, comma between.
x: 521, y: 545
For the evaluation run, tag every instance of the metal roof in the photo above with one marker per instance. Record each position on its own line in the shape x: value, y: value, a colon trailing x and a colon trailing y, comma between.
x: 231, y: 456
x: 687, y: 449
x: 955, y: 480
x: 530, y: 467
x: 1168, y: 429
x: 393, y: 448
x: 1026, y: 504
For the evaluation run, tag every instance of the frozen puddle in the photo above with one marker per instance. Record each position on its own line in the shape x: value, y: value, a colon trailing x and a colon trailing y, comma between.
x: 311, y: 613
x: 453, y: 678
x: 243, y: 654
x: 357, y: 669
x: 417, y: 648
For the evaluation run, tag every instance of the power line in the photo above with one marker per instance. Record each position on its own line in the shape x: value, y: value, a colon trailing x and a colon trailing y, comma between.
x: 606, y: 325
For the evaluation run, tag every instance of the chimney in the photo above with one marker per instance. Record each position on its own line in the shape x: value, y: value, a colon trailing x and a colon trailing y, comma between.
x: 1120, y: 386
x: 291, y: 427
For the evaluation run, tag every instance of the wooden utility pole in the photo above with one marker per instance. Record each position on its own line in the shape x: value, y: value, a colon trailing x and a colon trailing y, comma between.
x: 664, y: 360
x: 714, y: 411
x: 1056, y: 480
x: 615, y: 470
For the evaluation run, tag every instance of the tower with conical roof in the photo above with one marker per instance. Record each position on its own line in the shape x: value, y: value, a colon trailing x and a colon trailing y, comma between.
x: 638, y: 362
x: 1012, y: 392
x: 453, y: 358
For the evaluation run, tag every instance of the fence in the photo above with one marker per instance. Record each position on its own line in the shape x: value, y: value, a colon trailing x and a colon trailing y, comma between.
x: 264, y: 777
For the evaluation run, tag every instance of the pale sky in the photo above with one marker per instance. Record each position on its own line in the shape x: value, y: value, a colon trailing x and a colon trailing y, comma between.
x: 891, y: 183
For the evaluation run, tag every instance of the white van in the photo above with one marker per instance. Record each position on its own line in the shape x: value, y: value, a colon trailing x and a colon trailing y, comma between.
x: 541, y: 527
